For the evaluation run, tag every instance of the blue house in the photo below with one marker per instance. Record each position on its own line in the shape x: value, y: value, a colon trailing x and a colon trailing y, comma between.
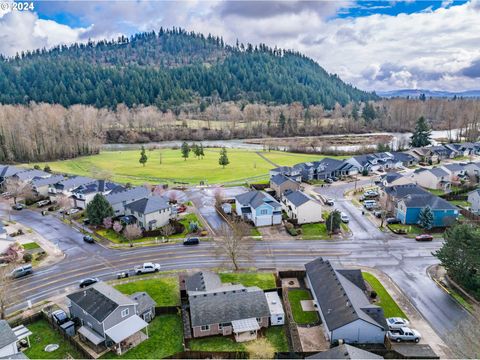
x: 258, y: 207
x: 409, y: 207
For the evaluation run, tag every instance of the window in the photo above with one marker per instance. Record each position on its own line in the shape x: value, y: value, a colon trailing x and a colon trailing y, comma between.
x: 222, y: 325
x: 205, y: 328
x: 259, y: 320
x: 263, y: 212
x: 125, y: 312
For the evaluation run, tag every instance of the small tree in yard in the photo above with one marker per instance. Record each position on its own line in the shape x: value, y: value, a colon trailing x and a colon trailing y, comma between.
x: 223, y: 159
x: 117, y: 227
x: 47, y: 168
x: 193, y: 226
x: 98, y: 209
x: 425, y: 218
x: 132, y: 232
x: 18, y: 188
x: 333, y: 222
x: 107, y: 223
x: 232, y: 243
x: 185, y: 150
x: 63, y: 203
x: 219, y: 196
x: 143, y: 157
x: 167, y: 230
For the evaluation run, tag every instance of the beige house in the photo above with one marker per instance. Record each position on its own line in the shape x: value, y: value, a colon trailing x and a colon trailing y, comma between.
x: 281, y: 183
x: 394, y: 178
x: 151, y: 212
x: 301, y: 207
x: 434, y: 178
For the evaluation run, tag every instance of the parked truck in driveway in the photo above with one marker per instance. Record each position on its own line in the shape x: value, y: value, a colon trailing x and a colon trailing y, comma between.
x: 146, y: 268
x: 404, y: 334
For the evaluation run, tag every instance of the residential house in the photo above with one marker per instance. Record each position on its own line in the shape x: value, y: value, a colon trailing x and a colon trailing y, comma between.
x: 145, y: 305
x: 409, y: 208
x: 391, y: 195
x: 374, y: 162
x: 306, y: 170
x: 85, y: 193
x: 435, y: 178
x: 67, y: 185
x: 474, y: 200
x: 31, y: 174
x: 107, y: 318
x: 7, y: 171
x: 456, y: 171
x: 118, y: 199
x: 329, y: 168
x: 453, y: 150
x: 463, y: 149
x: 343, y: 305
x: 259, y: 207
x: 345, y: 351
x: 289, y: 171
x: 280, y: 183
x: 42, y: 185
x: 472, y: 170
x: 394, y: 178
x: 225, y: 309
x: 151, y: 212
x: 9, y: 339
x: 406, y: 159
x: 301, y: 207
x: 424, y: 155
x: 442, y: 152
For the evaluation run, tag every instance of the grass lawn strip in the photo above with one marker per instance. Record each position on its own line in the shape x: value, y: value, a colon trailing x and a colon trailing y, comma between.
x: 165, y: 339
x: 295, y: 297
x: 389, y: 306
x: 163, y: 290
x: 263, y: 280
x: 44, y: 335
x: 31, y: 246
x: 314, y: 231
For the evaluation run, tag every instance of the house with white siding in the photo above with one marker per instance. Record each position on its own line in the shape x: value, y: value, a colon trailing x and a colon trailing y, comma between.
x: 474, y: 200
x: 340, y: 296
x: 301, y: 207
x: 151, y: 212
x: 118, y: 199
x: 434, y: 178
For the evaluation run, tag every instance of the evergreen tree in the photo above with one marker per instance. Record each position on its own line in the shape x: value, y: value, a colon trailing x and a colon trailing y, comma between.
x: 368, y: 112
x: 47, y: 168
x: 355, y: 114
x: 422, y: 134
x: 196, y: 150
x: 143, y: 157
x: 425, y: 218
x: 185, y: 149
x: 202, y: 154
x: 282, y: 121
x: 98, y: 209
x: 333, y: 222
x: 223, y: 159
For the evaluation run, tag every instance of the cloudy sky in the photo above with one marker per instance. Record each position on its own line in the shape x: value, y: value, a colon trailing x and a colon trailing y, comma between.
x: 375, y: 45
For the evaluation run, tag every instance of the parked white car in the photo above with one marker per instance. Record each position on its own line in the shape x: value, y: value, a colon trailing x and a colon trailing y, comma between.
x: 72, y: 211
x: 397, y: 323
x: 344, y: 217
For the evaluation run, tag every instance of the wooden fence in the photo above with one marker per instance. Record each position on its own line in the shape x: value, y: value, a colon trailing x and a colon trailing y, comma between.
x: 209, y: 355
x: 293, y: 336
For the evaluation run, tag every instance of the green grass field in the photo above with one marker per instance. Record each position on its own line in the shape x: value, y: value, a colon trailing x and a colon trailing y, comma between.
x: 389, y: 306
x: 163, y: 290
x: 301, y: 317
x: 124, y: 165
x: 264, y: 281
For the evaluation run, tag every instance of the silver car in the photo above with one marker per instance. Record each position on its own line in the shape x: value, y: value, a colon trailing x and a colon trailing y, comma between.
x: 395, y: 323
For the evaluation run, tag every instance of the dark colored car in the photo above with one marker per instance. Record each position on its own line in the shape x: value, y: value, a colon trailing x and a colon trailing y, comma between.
x: 17, y: 207
x: 87, y: 282
x: 88, y: 239
x: 393, y: 221
x: 191, y: 241
x: 424, y: 237
x: 60, y: 317
x: 86, y: 221
x: 335, y: 178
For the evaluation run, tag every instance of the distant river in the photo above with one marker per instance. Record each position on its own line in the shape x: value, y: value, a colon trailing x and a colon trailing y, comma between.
x: 396, y: 139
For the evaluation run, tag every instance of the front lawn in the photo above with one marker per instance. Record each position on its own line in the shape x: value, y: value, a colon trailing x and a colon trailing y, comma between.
x: 166, y: 337
x: 31, y: 246
x: 463, y: 203
x: 389, y: 306
x: 163, y: 290
x: 412, y: 230
x: 254, y: 232
x: 295, y: 297
x: 437, y: 192
x: 44, y: 335
x: 186, y: 220
x: 263, y: 280
x: 314, y: 231
x: 215, y: 343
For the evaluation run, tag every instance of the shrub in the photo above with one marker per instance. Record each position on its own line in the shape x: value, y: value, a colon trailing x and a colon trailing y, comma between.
x: 365, y: 172
x: 27, y: 257
x: 373, y: 294
x: 292, y: 231
x: 288, y: 226
x: 193, y: 226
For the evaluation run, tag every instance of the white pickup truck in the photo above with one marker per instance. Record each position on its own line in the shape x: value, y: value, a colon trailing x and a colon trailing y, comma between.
x: 146, y: 268
x: 404, y: 334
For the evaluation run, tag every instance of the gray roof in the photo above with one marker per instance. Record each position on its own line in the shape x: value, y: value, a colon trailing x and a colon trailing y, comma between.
x: 143, y: 300
x: 427, y: 199
x: 202, y: 281
x: 402, y: 156
x: 227, y: 306
x: 132, y: 194
x: 7, y: 336
x: 340, y: 299
x: 297, y: 198
x: 31, y: 174
x: 329, y: 164
x: 8, y: 170
x: 100, y: 186
x: 73, y: 182
x: 400, y: 191
x: 454, y: 167
x: 99, y: 300
x: 345, y: 351
x: 391, y: 176
x: 47, y: 181
x: 256, y: 198
x: 149, y: 205
x: 280, y: 179
x: 438, y: 172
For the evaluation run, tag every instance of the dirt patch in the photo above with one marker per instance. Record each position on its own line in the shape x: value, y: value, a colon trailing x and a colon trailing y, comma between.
x: 313, y: 338
x: 290, y: 283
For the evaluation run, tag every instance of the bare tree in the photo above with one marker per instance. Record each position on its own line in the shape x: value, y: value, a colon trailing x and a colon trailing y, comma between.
x: 219, y: 196
x: 117, y: 227
x: 132, y: 232
x: 167, y: 230
x: 232, y: 243
x: 64, y: 202
x: 18, y: 188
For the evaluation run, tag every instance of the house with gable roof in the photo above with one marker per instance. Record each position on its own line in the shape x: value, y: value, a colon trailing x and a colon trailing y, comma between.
x: 434, y: 178
x: 259, y: 207
x: 151, y: 212
x: 281, y: 183
x: 119, y: 199
x: 301, y: 207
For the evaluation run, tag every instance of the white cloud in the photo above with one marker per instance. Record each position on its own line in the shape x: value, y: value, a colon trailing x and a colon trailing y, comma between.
x: 425, y: 50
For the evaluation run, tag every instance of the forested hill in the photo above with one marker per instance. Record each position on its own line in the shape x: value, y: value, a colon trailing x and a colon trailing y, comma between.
x: 168, y: 69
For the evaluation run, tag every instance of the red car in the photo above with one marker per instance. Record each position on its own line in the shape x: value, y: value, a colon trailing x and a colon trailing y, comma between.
x: 424, y: 237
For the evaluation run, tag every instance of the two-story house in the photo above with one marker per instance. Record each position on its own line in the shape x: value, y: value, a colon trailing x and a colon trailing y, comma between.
x: 66, y: 186
x: 434, y: 178
x: 409, y: 208
x: 281, y: 183
x: 108, y: 318
x: 289, y: 171
x: 456, y: 171
x: 151, y: 212
x: 259, y: 207
x: 118, y: 199
x: 474, y: 200
x: 41, y: 186
x: 83, y: 194
x: 301, y: 207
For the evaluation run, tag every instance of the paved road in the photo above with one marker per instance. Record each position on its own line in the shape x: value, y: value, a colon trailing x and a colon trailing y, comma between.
x: 402, y: 259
